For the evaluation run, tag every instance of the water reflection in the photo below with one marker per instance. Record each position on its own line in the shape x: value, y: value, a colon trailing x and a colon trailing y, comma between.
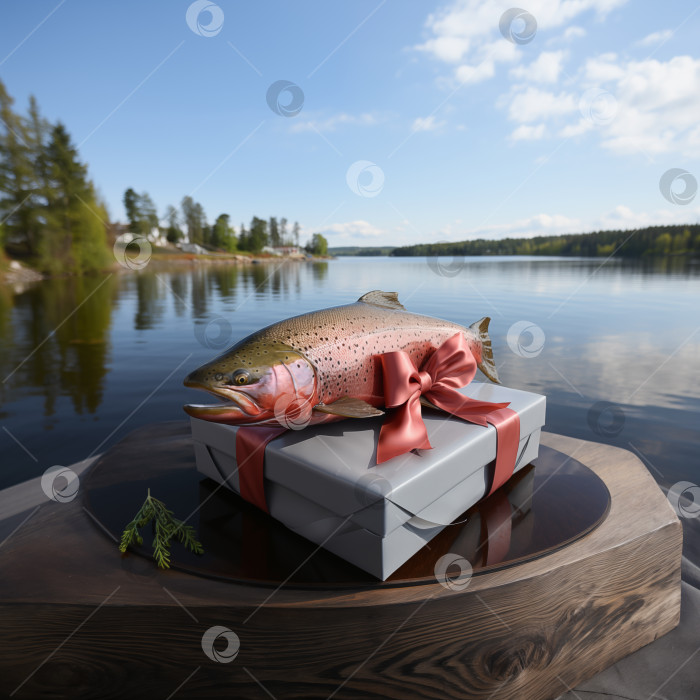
x: 55, y: 341
x: 87, y: 360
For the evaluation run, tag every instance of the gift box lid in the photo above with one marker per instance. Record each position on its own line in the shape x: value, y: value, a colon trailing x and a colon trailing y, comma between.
x: 334, y: 464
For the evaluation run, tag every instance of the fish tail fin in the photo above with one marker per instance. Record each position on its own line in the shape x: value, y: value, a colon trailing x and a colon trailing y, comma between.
x: 486, y: 364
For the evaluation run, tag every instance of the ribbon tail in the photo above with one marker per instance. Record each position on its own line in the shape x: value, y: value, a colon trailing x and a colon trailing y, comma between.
x: 250, y: 458
x: 403, y: 431
x: 507, y: 424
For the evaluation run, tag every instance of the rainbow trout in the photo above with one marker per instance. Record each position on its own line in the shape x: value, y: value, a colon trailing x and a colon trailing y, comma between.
x: 323, y: 365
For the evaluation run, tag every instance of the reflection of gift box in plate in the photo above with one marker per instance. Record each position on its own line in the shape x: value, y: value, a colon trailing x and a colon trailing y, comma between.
x: 323, y: 482
x: 497, y: 530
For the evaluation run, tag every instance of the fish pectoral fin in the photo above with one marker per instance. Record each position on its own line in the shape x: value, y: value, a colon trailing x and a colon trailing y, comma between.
x: 349, y: 408
x: 388, y: 300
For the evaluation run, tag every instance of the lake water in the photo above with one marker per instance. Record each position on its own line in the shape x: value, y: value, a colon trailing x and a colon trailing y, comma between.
x: 614, y: 346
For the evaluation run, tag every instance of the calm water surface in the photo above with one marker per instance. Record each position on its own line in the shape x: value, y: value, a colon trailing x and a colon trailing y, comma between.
x: 616, y: 348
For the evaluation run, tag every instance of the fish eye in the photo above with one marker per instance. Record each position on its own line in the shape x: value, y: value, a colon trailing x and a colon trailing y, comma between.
x: 241, y: 377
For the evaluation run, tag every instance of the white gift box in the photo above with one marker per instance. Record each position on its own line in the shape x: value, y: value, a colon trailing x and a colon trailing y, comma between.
x: 323, y: 481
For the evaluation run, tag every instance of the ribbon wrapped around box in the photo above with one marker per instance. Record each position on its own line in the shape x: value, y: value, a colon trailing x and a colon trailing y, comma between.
x: 324, y: 482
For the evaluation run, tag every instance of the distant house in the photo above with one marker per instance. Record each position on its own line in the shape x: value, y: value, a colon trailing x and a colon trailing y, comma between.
x: 192, y: 248
x: 285, y: 250
x: 155, y: 236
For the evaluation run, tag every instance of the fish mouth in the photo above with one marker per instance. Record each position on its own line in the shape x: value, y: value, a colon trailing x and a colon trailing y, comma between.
x: 232, y: 403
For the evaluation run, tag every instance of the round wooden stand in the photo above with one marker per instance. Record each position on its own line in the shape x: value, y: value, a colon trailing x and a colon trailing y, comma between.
x: 79, y: 620
x: 538, y: 511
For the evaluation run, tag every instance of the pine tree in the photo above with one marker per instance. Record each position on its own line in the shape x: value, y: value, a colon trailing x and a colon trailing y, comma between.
x: 172, y: 216
x: 37, y: 132
x: 274, y: 233
x: 243, y: 239
x: 131, y: 206
x: 195, y: 220
x: 283, y: 231
x: 258, y: 234
x: 141, y: 212
x: 16, y: 177
x: 75, y: 231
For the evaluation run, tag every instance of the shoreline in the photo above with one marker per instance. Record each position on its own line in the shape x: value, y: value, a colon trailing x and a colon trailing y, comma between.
x: 15, y: 273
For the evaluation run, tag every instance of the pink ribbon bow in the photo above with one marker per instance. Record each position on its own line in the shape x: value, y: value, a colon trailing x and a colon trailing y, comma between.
x: 451, y: 366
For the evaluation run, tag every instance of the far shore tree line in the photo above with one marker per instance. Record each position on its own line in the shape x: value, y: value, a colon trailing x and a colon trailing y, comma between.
x: 142, y: 217
x: 645, y: 242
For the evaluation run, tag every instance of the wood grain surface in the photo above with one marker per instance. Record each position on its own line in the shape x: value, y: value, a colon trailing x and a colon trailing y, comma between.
x: 78, y: 621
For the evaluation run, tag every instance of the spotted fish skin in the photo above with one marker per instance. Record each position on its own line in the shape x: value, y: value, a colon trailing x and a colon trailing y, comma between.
x: 326, y: 361
x: 343, y: 342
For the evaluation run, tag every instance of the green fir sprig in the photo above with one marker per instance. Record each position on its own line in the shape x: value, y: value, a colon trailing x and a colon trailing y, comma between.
x: 165, y: 527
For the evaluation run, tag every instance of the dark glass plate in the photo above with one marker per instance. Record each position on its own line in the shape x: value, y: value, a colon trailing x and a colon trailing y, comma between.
x: 545, y: 506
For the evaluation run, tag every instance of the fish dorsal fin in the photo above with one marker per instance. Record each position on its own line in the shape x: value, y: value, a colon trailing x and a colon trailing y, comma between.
x: 388, y: 300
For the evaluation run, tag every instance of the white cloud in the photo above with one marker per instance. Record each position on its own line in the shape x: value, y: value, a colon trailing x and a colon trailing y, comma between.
x: 573, y: 33
x: 427, y: 124
x: 655, y: 38
x: 544, y: 69
x: 333, y: 122
x: 534, y: 104
x: 622, y: 217
x: 657, y: 107
x: 464, y: 31
x: 525, y: 132
x: 644, y: 106
x: 580, y: 127
x: 353, y: 230
x: 602, y: 69
x: 484, y: 67
x: 475, y: 74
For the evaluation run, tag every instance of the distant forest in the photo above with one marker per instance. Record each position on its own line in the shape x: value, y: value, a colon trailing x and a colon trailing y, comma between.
x: 637, y: 243
x: 362, y: 252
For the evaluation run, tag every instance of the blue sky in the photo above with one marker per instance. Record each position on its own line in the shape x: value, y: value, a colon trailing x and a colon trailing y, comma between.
x: 413, y: 120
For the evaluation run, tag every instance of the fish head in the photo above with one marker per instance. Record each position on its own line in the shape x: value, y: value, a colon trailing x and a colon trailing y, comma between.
x: 260, y: 382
